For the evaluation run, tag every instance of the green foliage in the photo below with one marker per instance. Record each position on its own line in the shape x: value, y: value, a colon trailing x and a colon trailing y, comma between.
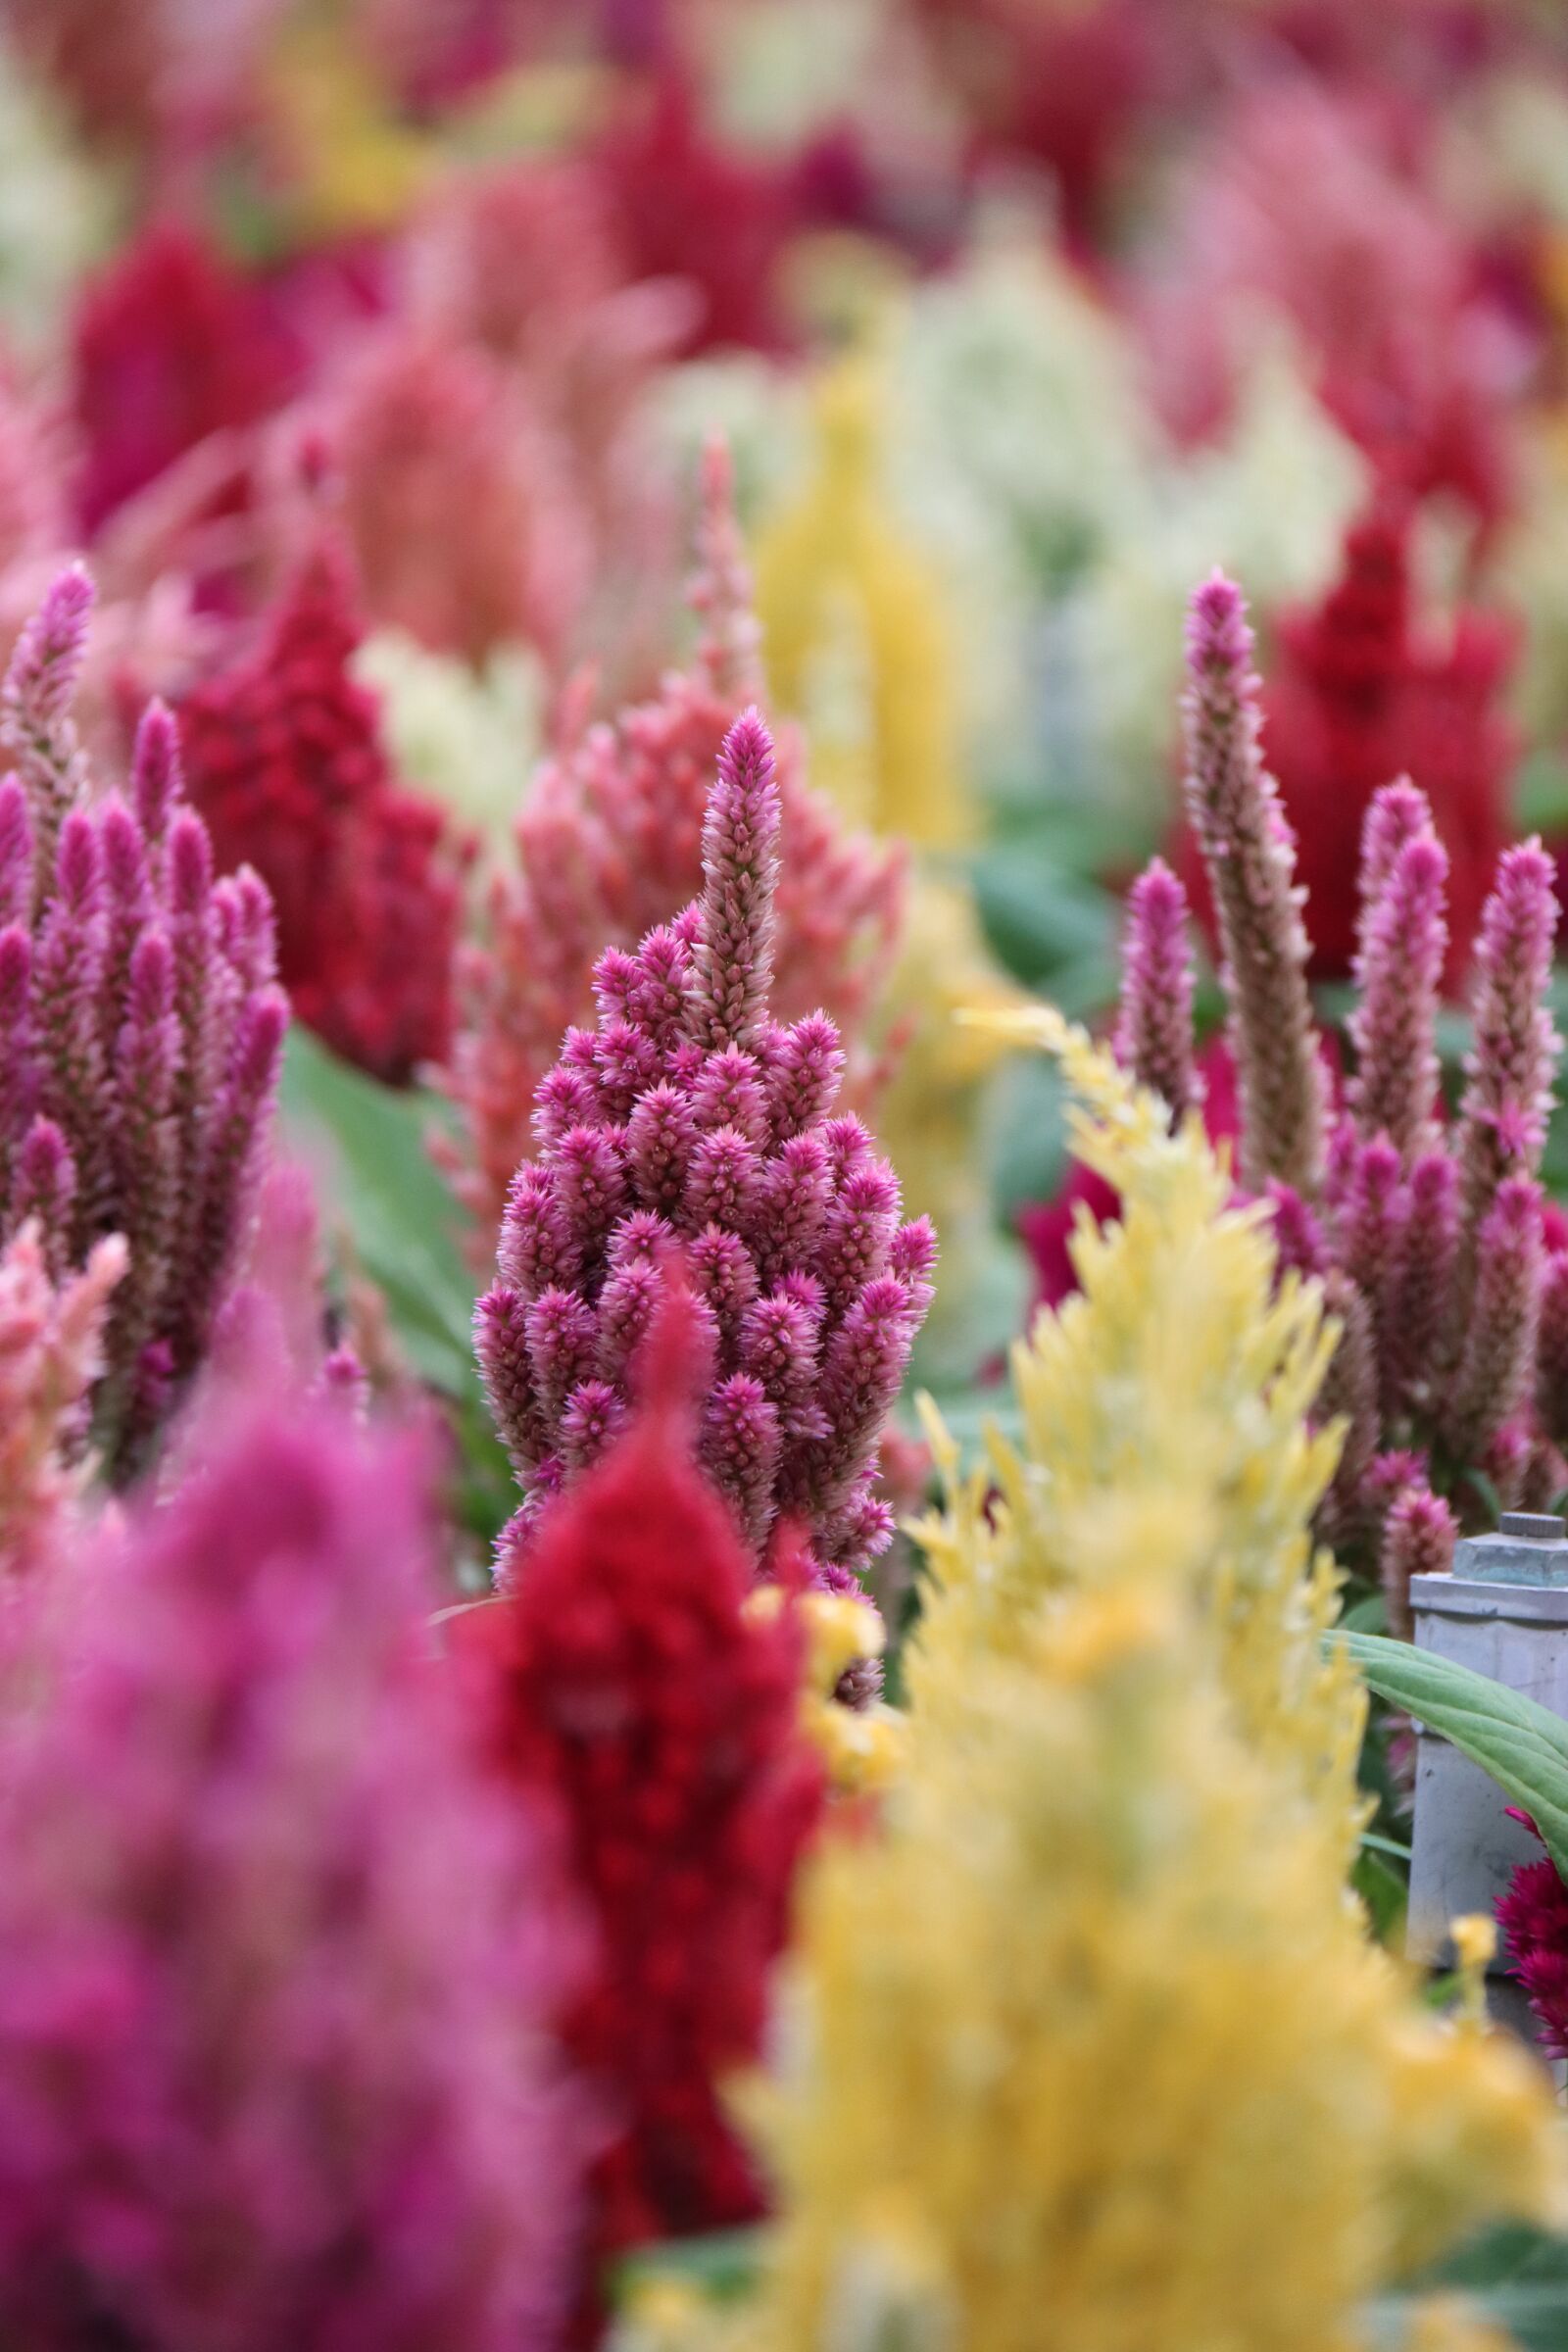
x: 1524, y: 1747
x: 383, y: 1192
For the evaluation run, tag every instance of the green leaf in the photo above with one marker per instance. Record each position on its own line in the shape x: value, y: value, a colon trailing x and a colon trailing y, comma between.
x: 1383, y: 1891
x: 1042, y: 920
x: 722, y: 2265
x: 1516, y: 2274
x: 399, y: 1214
x: 1523, y: 1746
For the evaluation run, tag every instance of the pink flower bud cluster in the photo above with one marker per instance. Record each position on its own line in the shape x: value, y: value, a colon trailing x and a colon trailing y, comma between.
x: 691, y: 1122
x: 278, y: 1959
x: 1428, y: 1234
x: 608, y: 846
x: 51, y: 1352
x: 140, y: 1029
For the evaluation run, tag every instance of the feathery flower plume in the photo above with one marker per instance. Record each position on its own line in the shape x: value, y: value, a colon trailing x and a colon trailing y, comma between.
x: 632, y: 1690
x: 1453, y: 1353
x: 1534, y: 1917
x: 273, y: 2055
x: 51, y: 1352
x: 1497, y: 1361
x: 284, y: 758
x: 1155, y: 1035
x: 1235, y: 811
x: 1551, y: 1348
x: 1165, y: 1839
x: 1399, y: 970
x: 608, y: 846
x: 1513, y: 1056
x: 691, y: 1120
x: 1418, y: 1540
x: 141, y: 1030
x: 36, y: 722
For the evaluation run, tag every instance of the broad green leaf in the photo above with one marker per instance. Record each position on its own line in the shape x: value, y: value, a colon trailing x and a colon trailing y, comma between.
x: 1523, y: 1746
x: 400, y: 1216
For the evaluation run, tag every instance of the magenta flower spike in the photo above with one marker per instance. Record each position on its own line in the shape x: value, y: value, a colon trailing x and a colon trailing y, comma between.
x: 1513, y: 1057
x: 51, y: 1352
x: 1497, y: 1365
x: 36, y: 723
x: 1248, y: 849
x: 1405, y: 940
x: 140, y: 1029
x: 1154, y: 1033
x: 276, y: 1972
x: 1418, y: 1540
x: 690, y: 1126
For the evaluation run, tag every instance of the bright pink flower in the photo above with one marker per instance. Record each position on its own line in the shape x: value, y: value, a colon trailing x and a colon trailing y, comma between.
x: 1418, y: 1540
x: 608, y: 846
x: 1249, y: 852
x: 285, y: 760
x: 275, y: 1968
x: 1155, y: 1035
x: 140, y: 1032
x: 690, y: 1121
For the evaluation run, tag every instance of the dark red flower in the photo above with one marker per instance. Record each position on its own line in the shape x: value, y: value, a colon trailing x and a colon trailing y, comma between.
x: 684, y: 206
x: 285, y: 759
x: 629, y: 1688
x: 1534, y: 1917
x: 1357, y: 695
x: 171, y: 344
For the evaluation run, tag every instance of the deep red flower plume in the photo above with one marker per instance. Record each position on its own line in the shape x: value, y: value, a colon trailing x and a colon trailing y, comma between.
x: 631, y: 1688
x: 284, y: 758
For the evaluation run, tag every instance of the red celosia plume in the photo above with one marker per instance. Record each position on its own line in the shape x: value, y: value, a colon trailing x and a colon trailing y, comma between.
x: 632, y: 1690
x: 284, y: 758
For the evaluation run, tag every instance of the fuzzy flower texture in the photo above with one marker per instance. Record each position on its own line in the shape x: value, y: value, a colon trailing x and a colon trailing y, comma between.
x: 1427, y: 1233
x: 691, y: 1124
x: 140, y: 1029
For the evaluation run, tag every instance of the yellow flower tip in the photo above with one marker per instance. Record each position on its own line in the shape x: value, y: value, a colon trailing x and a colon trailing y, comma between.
x: 838, y: 1629
x: 863, y: 1748
x: 1475, y: 1941
x: 1102, y: 1634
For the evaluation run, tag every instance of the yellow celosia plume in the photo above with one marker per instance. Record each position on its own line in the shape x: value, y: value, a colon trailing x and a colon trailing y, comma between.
x: 1165, y: 1435
x: 855, y: 638
x: 1089, y: 2048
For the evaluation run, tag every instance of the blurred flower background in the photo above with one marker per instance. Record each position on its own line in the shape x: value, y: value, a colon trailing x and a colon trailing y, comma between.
x: 427, y: 427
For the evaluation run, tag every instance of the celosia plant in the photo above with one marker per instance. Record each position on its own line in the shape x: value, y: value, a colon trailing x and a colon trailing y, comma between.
x: 1362, y: 689
x: 277, y: 1967
x: 51, y: 1352
x: 633, y: 1690
x: 1088, y: 2047
x: 691, y: 1120
x: 608, y: 846
x: 1428, y: 1234
x: 835, y: 565
x: 1533, y: 1917
x: 285, y: 760
x: 141, y: 1028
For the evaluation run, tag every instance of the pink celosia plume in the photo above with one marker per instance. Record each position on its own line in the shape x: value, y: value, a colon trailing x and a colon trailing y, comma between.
x: 273, y: 2059
x: 142, y: 1031
x: 691, y: 1120
x: 608, y: 847
x: 1234, y: 807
